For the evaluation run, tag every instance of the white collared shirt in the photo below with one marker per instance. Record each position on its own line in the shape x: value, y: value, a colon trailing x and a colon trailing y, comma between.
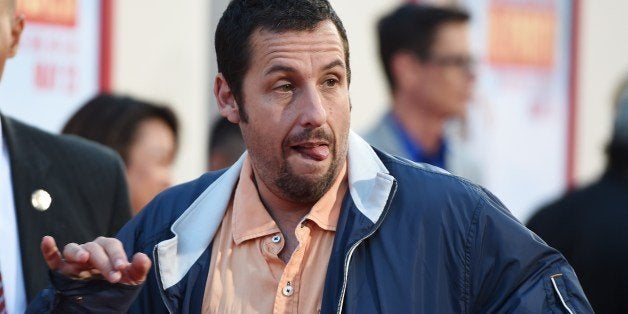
x: 10, y: 257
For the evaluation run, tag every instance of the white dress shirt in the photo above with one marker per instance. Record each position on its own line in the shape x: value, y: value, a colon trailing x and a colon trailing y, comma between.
x: 10, y: 257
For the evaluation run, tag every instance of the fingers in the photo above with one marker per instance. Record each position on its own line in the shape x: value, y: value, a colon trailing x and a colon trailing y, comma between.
x: 138, y: 269
x: 104, y: 256
x: 100, y: 262
x: 74, y: 253
x: 115, y: 251
x: 107, y: 256
x: 51, y: 253
x: 57, y: 262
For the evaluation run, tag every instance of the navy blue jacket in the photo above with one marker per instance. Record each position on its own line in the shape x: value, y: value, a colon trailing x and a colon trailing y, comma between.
x: 410, y: 239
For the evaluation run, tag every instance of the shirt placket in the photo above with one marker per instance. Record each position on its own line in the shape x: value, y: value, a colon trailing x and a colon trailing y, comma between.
x: 289, y: 288
x: 271, y: 246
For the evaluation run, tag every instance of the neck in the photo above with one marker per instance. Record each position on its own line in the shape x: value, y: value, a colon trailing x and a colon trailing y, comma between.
x: 279, y: 208
x: 423, y: 126
x: 286, y: 214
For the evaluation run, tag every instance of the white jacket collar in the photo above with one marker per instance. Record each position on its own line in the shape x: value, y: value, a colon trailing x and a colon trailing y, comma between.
x: 369, y: 185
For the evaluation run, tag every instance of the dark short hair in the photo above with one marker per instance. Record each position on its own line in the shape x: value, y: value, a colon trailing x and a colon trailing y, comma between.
x: 243, y: 17
x: 412, y: 27
x: 114, y: 120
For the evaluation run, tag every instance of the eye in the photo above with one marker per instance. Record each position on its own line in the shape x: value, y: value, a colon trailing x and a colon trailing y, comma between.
x: 287, y: 87
x: 331, y: 82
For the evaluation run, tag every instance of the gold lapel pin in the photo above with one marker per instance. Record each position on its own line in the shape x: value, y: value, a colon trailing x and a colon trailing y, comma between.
x: 41, y: 200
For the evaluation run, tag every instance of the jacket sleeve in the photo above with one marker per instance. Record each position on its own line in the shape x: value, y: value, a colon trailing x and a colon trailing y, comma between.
x: 83, y: 296
x: 520, y: 275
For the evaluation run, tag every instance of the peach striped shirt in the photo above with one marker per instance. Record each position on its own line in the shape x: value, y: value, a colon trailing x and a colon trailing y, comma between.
x: 246, y: 274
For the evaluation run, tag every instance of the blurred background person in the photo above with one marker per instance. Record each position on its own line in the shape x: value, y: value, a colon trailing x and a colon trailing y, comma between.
x: 590, y: 225
x: 426, y: 56
x: 49, y: 185
x: 143, y: 133
x: 225, y: 144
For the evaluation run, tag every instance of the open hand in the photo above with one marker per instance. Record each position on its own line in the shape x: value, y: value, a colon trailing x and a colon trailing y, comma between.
x: 103, y: 258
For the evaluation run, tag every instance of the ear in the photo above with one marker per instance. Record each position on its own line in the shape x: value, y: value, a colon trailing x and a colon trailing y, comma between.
x: 405, y: 69
x: 227, y: 104
x: 16, y: 34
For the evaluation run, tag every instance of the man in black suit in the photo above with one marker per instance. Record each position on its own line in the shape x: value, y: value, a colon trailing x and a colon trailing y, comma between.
x: 49, y: 184
x: 588, y: 224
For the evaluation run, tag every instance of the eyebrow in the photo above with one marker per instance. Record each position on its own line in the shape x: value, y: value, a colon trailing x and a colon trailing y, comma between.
x: 334, y: 64
x: 279, y: 68
x: 289, y: 69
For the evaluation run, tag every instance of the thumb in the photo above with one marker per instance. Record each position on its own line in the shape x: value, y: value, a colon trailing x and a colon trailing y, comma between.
x: 51, y: 253
x: 138, y: 269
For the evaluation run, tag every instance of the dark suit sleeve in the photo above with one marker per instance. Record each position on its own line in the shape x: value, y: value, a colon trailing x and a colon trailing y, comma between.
x: 521, y: 275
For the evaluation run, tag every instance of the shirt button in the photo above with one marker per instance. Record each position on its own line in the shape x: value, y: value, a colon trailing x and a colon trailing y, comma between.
x: 287, y: 290
x: 276, y: 239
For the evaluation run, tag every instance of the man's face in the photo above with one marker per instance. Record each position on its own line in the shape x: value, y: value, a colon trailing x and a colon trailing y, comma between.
x: 445, y: 80
x: 10, y: 30
x: 296, y: 96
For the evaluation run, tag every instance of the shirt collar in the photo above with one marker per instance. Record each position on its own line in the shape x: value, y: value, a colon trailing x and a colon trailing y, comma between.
x: 250, y: 218
x: 414, y: 149
x: 326, y: 211
x: 370, y: 187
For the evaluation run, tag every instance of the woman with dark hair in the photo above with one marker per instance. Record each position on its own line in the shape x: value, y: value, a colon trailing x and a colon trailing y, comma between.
x: 144, y: 134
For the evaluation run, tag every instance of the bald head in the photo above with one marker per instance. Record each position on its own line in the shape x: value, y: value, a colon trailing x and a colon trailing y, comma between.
x: 11, y: 27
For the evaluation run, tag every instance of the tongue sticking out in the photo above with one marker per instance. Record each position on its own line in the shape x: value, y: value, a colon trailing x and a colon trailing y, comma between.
x: 316, y: 152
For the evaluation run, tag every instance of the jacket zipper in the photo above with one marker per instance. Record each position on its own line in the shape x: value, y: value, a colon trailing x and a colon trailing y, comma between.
x: 354, y: 246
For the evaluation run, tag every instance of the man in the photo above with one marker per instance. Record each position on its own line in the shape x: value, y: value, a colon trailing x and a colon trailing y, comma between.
x: 588, y: 225
x: 426, y: 56
x: 48, y: 185
x: 311, y: 219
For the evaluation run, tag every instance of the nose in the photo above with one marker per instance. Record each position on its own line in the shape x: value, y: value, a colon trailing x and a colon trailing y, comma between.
x: 312, y: 112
